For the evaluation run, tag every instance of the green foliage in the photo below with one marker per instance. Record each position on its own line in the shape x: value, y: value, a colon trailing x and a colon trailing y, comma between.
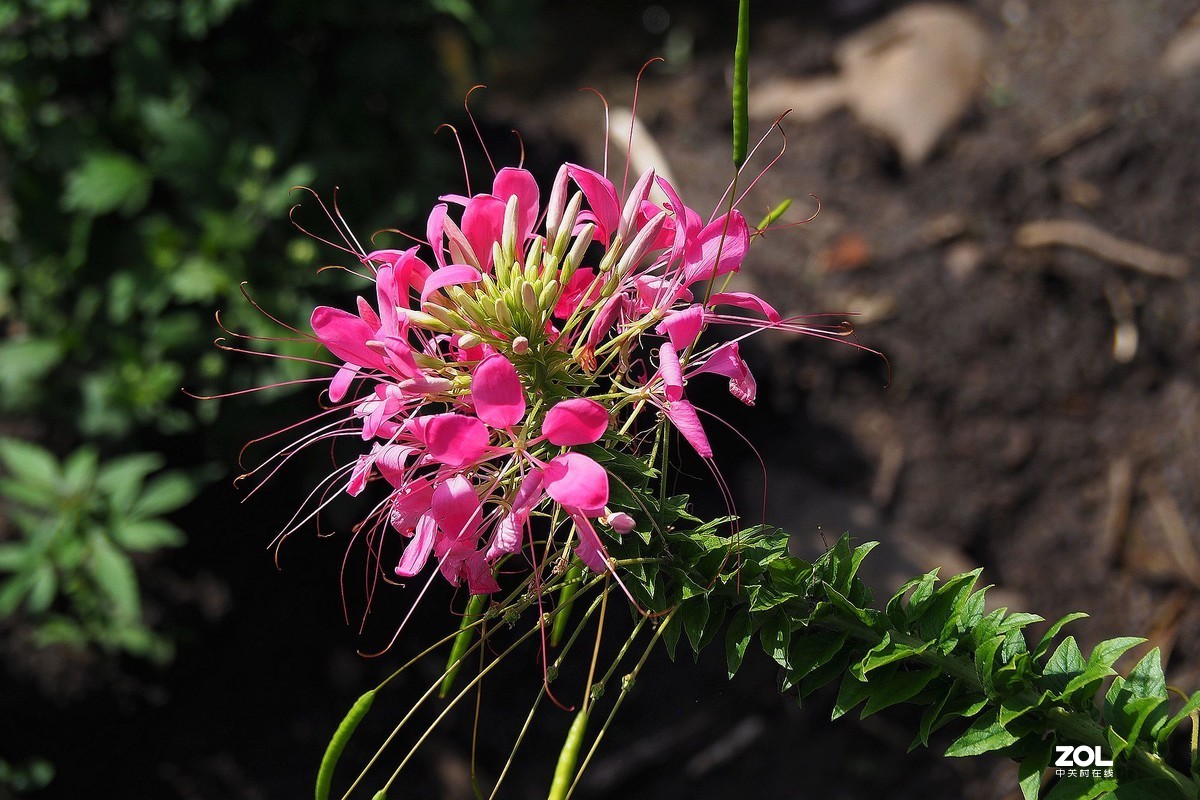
x: 147, y: 173
x: 78, y: 524
x: 933, y: 645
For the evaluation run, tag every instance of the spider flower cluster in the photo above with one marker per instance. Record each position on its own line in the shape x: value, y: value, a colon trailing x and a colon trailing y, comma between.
x: 521, y: 339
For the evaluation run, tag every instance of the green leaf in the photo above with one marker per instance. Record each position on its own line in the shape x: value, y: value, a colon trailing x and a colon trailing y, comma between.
x: 79, y: 470
x: 163, y: 495
x: 904, y: 685
x: 1166, y: 730
x: 775, y: 635
x: 1048, y: 637
x: 29, y: 463
x: 13, y: 557
x: 1065, y: 664
x: 1073, y: 788
x: 43, y: 589
x: 852, y: 692
x: 737, y: 640
x: 810, y: 650
x: 1033, y: 768
x: 115, y: 577
x: 985, y: 735
x: 122, y: 478
x: 107, y: 181
x: 143, y: 536
x: 1147, y: 789
x: 695, y: 613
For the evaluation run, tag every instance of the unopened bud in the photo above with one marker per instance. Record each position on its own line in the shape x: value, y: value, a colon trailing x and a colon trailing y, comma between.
x: 511, y: 232
x: 520, y: 345
x: 611, y: 255
x: 423, y: 320
x: 620, y: 522
x: 557, y: 204
x: 447, y: 317
x: 633, y: 204
x: 469, y: 340
x: 549, y: 295
x: 641, y: 243
x: 536, y: 248
x: 578, y: 249
x: 500, y: 264
x: 529, y: 299
x: 568, y: 224
x: 502, y: 313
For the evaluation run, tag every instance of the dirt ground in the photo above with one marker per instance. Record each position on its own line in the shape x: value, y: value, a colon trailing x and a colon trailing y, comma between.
x: 1012, y: 426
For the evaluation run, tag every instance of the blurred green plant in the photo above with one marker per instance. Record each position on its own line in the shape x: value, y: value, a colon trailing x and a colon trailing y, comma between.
x: 68, y: 564
x: 25, y: 777
x: 145, y: 172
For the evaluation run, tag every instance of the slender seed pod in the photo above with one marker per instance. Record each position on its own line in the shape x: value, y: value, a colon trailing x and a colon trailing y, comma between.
x: 568, y: 757
x: 566, y: 598
x: 338, y: 743
x: 776, y: 212
x: 741, y: 85
x: 462, y: 642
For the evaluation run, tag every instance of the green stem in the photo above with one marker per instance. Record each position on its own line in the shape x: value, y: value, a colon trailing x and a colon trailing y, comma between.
x: 466, y: 633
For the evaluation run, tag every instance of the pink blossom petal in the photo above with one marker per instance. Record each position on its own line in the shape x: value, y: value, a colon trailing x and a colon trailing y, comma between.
x: 346, y: 336
x: 519, y: 183
x: 390, y: 462
x: 683, y: 416
x: 456, y: 508
x: 410, y: 504
x: 575, y: 421
x: 449, y: 276
x: 582, y: 289
x: 732, y: 242
x: 601, y: 197
x: 727, y: 360
x: 367, y: 314
x: 480, y: 579
x: 496, y: 392
x: 483, y: 225
x: 507, y: 536
x: 621, y: 523
x: 745, y: 300
x: 682, y: 327
x: 435, y: 232
x: 360, y: 474
x: 341, y: 382
x: 417, y: 552
x: 455, y: 439
x: 577, y: 482
x: 672, y: 375
x: 589, y: 549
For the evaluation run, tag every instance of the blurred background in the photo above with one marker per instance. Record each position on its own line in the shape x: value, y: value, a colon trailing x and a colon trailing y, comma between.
x: 1008, y: 200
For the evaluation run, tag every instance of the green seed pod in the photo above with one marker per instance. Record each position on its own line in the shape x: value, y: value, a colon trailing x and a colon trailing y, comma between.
x: 339, y: 741
x: 568, y: 757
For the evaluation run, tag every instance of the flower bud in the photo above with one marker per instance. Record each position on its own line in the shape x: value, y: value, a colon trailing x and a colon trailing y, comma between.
x: 469, y: 340
x: 557, y: 204
x: 511, y: 231
x: 423, y: 320
x: 520, y: 345
x: 568, y: 224
x: 620, y: 522
x: 641, y: 243
x: 549, y: 295
x: 529, y: 299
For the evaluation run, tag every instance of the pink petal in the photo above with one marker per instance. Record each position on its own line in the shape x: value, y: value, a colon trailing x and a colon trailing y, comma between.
x: 575, y: 421
x: 346, y: 336
x: 360, y: 474
x: 455, y: 439
x: 507, y: 536
x: 480, y: 579
x: 682, y: 327
x: 589, y: 549
x: 417, y: 552
x: 410, y: 504
x: 745, y: 300
x: 621, y: 523
x: 683, y: 416
x: 341, y: 382
x: 583, y: 288
x: 601, y: 197
x: 483, y: 225
x: 577, y: 482
x: 732, y: 243
x: 456, y: 508
x: 449, y: 276
x: 435, y: 232
x: 496, y: 392
x: 672, y: 375
x: 519, y: 183
x: 727, y: 360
